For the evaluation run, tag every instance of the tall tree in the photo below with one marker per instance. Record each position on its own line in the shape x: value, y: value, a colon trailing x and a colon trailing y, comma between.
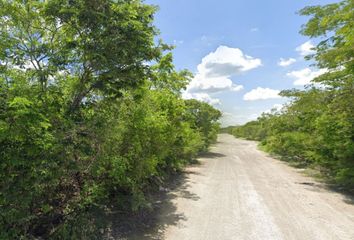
x: 104, y: 44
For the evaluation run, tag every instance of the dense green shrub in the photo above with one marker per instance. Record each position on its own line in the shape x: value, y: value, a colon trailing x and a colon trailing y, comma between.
x: 85, y: 122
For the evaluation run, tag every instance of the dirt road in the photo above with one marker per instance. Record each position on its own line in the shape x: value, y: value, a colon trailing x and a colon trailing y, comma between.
x: 238, y: 192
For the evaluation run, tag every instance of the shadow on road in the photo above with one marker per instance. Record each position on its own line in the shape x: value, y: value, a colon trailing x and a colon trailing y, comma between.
x: 211, y: 155
x: 152, y: 225
x: 348, y: 196
x: 322, y: 186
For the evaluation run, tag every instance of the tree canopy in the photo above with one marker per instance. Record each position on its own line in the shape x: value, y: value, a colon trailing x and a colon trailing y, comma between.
x: 90, y: 114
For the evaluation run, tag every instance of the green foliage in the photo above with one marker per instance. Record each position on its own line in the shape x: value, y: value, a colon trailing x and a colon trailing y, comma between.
x: 250, y: 131
x: 204, y: 119
x: 317, y: 127
x: 85, y: 122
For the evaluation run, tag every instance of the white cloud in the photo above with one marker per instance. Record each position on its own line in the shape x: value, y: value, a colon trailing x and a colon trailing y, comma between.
x: 305, y: 48
x: 226, y: 61
x: 212, y: 85
x: 261, y: 94
x: 217, y: 67
x: 305, y: 76
x: 215, y: 71
x: 204, y: 97
x: 255, y: 29
x: 286, y: 62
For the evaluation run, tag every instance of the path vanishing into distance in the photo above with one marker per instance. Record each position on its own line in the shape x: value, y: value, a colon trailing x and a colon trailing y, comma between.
x: 238, y: 192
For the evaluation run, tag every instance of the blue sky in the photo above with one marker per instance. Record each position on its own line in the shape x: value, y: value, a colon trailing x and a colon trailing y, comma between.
x: 234, y: 48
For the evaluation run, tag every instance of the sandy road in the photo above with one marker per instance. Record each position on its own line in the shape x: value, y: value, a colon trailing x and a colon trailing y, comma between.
x: 238, y: 192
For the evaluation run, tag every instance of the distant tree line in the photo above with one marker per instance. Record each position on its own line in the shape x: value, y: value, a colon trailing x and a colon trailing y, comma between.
x: 91, y: 114
x: 317, y: 127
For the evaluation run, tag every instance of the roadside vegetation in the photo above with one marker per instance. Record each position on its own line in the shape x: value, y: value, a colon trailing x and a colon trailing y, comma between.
x: 91, y: 114
x: 316, y: 128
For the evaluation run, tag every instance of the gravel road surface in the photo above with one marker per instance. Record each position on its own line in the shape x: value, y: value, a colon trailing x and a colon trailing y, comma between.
x: 238, y: 192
